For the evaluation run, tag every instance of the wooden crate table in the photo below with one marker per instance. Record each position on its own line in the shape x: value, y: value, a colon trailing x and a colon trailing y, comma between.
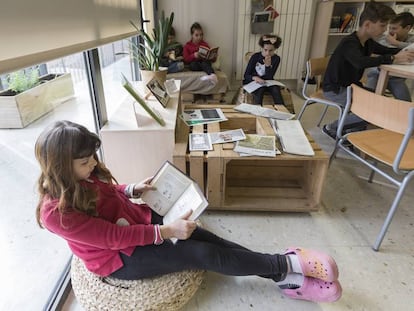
x: 283, y: 183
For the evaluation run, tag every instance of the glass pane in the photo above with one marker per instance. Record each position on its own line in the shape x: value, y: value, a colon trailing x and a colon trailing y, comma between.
x: 33, y: 259
x: 115, y: 61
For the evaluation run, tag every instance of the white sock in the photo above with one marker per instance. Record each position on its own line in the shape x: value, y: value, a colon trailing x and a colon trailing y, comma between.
x: 292, y: 279
x: 294, y: 264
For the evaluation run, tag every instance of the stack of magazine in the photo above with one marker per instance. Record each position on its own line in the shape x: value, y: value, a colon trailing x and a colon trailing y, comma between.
x: 205, y: 141
x: 257, y: 145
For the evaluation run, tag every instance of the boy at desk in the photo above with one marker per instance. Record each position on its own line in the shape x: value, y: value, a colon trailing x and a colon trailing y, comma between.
x: 354, y: 54
x: 398, y: 36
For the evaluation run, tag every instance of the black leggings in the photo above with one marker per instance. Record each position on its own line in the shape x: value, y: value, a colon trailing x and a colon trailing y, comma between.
x: 274, y: 90
x: 203, y: 65
x: 205, y: 251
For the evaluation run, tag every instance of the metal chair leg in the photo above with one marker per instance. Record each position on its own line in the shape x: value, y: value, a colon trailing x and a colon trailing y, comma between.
x: 392, y: 211
x: 322, y: 116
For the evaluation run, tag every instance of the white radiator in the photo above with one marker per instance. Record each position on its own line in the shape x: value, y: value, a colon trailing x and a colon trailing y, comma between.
x: 294, y: 26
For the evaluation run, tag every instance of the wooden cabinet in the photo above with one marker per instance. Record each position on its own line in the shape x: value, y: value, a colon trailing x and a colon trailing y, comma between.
x: 135, y: 145
x: 325, y: 34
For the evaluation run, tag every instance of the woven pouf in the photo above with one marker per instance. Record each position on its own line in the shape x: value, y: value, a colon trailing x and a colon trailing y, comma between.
x: 167, y: 292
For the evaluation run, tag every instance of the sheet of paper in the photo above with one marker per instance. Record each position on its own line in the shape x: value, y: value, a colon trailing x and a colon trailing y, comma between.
x: 292, y: 137
x: 264, y: 112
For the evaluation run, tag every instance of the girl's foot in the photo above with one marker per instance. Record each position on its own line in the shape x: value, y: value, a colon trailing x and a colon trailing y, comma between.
x: 312, y: 264
x: 314, y: 290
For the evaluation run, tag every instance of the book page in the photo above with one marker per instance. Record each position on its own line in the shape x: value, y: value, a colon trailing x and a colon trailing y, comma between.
x: 170, y: 184
x: 253, y: 86
x: 192, y: 199
x: 260, y: 145
x: 263, y: 111
x: 227, y: 136
x: 292, y: 137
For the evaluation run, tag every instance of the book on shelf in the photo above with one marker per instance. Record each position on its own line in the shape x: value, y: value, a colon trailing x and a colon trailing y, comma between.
x: 273, y: 12
x: 207, y: 53
x: 158, y: 91
x: 175, y: 194
x: 258, y: 145
x: 253, y: 86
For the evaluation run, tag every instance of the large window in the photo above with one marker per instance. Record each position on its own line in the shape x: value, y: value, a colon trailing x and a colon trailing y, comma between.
x: 33, y: 260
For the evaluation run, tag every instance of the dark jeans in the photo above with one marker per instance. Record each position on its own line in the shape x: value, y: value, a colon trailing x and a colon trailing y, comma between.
x: 274, y: 90
x: 202, y: 65
x: 203, y: 250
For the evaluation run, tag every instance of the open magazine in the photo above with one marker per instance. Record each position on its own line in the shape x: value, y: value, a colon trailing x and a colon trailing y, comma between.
x: 264, y: 112
x: 175, y: 194
x: 258, y: 145
x: 253, y: 86
x: 202, y: 116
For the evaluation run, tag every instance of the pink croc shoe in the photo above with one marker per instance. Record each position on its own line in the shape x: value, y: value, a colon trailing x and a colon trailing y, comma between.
x: 315, y: 264
x: 316, y: 290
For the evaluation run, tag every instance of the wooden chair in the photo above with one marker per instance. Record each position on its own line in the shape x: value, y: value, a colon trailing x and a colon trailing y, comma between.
x: 389, y: 145
x: 315, y: 69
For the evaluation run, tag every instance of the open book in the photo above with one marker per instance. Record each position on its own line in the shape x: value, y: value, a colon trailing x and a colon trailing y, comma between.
x: 175, y: 194
x: 253, y: 86
x: 207, y: 53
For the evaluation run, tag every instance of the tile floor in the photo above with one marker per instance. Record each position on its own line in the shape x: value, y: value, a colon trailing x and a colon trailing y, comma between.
x: 346, y: 225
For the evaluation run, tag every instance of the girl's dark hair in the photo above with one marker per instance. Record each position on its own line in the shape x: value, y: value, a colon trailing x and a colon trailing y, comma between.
x: 275, y: 40
x: 195, y: 26
x: 375, y: 12
x: 55, y: 149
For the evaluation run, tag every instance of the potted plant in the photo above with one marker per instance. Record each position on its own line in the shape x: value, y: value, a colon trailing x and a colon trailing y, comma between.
x: 149, y: 52
x: 30, y: 96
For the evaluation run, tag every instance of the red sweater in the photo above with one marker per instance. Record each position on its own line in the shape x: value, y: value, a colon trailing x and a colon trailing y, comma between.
x: 190, y: 48
x: 119, y: 227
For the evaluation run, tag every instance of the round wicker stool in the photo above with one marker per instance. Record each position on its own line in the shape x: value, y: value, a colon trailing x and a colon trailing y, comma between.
x: 167, y: 292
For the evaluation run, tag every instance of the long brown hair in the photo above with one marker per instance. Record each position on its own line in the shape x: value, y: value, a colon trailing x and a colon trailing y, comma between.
x: 55, y: 149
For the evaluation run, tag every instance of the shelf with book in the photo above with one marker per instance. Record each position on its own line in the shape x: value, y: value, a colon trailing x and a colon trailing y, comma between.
x: 336, y: 19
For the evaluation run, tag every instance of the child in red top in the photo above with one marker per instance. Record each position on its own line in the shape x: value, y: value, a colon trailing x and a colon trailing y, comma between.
x: 80, y: 201
x: 191, y: 56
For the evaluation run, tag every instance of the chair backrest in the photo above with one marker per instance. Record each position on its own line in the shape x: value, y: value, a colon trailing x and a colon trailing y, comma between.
x: 315, y: 68
x: 385, y: 112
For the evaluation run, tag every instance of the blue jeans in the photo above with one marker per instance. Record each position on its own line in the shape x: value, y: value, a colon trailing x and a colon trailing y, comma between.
x: 175, y: 67
x: 396, y: 85
x: 340, y: 98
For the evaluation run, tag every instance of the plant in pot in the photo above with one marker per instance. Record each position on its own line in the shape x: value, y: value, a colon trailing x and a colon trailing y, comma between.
x: 153, y: 47
x: 30, y: 96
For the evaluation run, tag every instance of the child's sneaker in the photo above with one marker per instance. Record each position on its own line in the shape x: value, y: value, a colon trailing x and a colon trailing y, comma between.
x: 315, y: 264
x: 315, y: 290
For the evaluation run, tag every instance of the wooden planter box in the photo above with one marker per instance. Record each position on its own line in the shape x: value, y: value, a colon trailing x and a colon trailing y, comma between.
x: 284, y: 183
x: 17, y: 111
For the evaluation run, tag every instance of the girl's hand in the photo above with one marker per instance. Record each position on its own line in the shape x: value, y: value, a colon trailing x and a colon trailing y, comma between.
x: 259, y: 80
x: 404, y: 57
x: 181, y: 228
x: 196, y: 55
x: 144, y: 185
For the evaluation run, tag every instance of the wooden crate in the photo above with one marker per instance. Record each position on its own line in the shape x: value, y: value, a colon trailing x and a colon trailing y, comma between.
x: 284, y: 183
